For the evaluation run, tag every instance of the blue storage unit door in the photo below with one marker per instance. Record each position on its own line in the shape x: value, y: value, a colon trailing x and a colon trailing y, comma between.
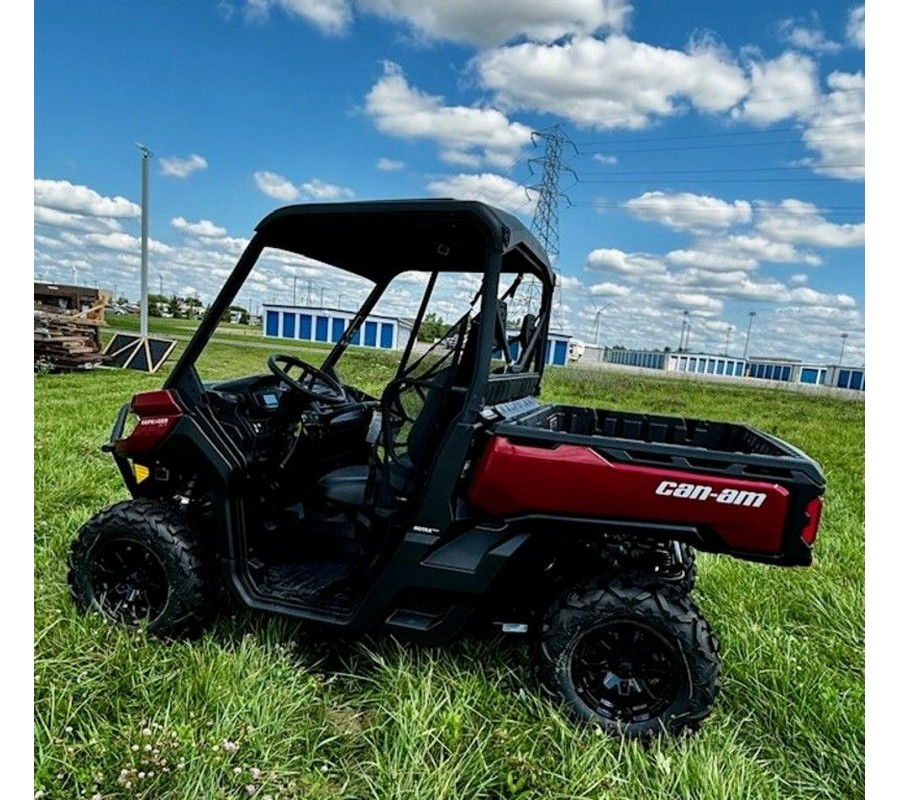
x: 843, y: 379
x: 856, y: 380
x: 371, y: 333
x: 271, y: 323
x: 354, y: 339
x: 387, y: 335
x: 321, y: 329
x: 560, y: 351
x: 337, y: 328
x: 287, y: 326
x: 305, y: 326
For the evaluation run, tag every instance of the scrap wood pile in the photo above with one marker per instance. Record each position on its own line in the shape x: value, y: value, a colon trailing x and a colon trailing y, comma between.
x: 67, y: 339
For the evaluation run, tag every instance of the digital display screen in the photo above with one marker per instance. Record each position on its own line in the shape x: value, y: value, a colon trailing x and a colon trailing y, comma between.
x: 270, y: 400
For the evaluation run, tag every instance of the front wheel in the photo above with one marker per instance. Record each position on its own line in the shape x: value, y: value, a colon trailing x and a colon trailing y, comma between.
x: 140, y: 562
x: 638, y: 660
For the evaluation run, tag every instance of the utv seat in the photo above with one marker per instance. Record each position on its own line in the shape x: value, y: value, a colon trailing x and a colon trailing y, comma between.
x: 346, y: 486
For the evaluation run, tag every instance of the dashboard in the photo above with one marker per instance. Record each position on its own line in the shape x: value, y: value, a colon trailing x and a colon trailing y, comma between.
x: 261, y: 414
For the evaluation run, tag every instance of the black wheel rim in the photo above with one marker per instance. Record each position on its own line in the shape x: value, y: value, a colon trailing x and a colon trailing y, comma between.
x: 129, y: 582
x: 626, y: 672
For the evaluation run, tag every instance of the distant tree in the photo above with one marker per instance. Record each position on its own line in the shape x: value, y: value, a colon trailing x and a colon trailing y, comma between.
x: 175, y: 307
x: 193, y: 307
x: 433, y: 328
x: 155, y: 304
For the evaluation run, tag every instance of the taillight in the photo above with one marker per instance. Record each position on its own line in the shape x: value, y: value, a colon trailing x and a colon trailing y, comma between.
x: 156, y: 413
x: 813, y: 515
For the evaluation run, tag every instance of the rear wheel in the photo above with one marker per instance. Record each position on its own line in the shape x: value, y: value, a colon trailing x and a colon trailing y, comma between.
x: 140, y: 562
x: 636, y: 659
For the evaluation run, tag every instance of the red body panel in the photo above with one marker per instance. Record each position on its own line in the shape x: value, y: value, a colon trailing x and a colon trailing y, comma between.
x: 514, y: 479
x: 157, y: 413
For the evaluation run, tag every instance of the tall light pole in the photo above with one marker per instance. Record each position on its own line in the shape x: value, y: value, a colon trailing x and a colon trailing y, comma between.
x: 684, y: 325
x: 843, y: 343
x: 728, y: 339
x: 750, y: 315
x: 146, y: 155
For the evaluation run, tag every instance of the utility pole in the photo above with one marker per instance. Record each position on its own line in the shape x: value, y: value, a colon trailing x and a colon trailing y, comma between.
x: 545, y: 223
x: 728, y: 339
x: 843, y: 343
x: 682, y: 341
x: 750, y: 315
x: 146, y: 155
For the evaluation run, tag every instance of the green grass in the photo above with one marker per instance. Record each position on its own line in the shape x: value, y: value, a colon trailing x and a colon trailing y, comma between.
x: 264, y: 706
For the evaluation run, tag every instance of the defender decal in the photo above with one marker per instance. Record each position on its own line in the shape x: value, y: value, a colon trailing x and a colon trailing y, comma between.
x: 698, y: 491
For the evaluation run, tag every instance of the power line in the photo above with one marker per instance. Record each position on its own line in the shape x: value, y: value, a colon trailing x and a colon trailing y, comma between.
x: 804, y: 167
x: 720, y: 135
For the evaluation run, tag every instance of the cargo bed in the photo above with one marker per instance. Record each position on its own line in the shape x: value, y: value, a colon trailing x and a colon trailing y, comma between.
x: 722, y: 486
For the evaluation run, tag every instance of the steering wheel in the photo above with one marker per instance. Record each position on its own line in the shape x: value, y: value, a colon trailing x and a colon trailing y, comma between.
x: 312, y: 383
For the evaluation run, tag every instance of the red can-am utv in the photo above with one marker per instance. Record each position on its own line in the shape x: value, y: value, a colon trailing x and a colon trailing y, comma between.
x: 454, y: 499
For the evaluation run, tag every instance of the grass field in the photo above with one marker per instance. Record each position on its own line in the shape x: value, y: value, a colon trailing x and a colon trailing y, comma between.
x: 262, y: 708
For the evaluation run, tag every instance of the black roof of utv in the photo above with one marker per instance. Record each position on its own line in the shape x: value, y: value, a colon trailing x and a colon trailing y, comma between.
x: 380, y: 239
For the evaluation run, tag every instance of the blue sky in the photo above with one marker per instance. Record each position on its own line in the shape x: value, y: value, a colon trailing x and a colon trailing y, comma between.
x: 715, y: 161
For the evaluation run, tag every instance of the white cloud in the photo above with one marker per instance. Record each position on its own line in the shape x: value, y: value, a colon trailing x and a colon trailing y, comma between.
x: 608, y: 289
x: 763, y: 248
x: 810, y: 297
x: 491, y: 23
x: 329, y: 16
x: 276, y: 186
x: 711, y: 280
x: 567, y: 282
x: 632, y: 264
x: 689, y: 212
x: 604, y: 159
x: 280, y: 188
x: 463, y: 133
x: 487, y: 187
x: 711, y: 260
x: 610, y: 83
x: 780, y: 89
x: 67, y: 197
x: 122, y: 242
x: 182, y: 167
x: 78, y: 222
x: 389, y: 165
x: 807, y: 35
x: 697, y: 302
x: 836, y: 128
x: 856, y: 27
x: 801, y: 223
x: 204, y: 228
x: 317, y: 189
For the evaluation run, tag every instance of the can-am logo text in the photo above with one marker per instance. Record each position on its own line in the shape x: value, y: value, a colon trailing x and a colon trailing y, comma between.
x: 697, y: 491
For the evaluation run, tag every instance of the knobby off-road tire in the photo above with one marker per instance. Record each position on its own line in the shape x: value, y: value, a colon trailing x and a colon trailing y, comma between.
x: 633, y: 656
x: 139, y: 562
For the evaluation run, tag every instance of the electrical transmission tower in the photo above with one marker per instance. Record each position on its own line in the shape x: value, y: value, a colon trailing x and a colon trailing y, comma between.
x: 545, y: 223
